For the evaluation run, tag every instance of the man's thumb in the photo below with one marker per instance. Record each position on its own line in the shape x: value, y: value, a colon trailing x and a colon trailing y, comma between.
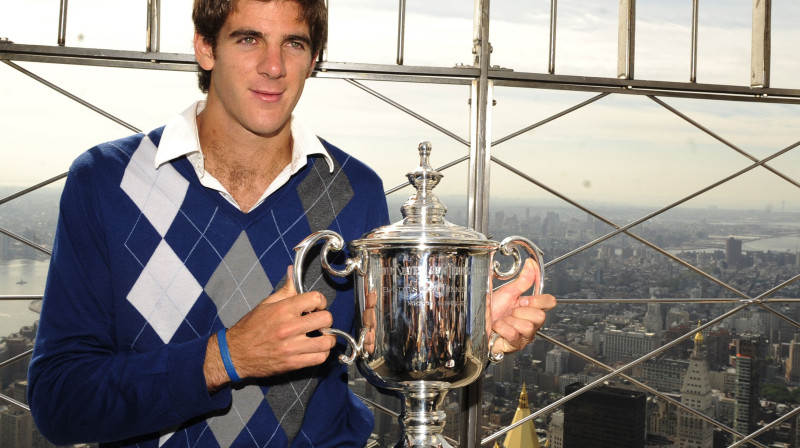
x: 285, y: 291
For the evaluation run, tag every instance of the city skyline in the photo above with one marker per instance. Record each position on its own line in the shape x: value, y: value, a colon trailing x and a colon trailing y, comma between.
x: 623, y: 156
x: 598, y: 274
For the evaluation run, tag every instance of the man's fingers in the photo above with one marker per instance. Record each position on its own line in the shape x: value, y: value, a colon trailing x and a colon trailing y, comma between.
x: 525, y: 279
x: 517, y: 330
x: 510, y: 339
x: 505, y: 297
x: 545, y: 302
x: 533, y: 315
x: 285, y: 291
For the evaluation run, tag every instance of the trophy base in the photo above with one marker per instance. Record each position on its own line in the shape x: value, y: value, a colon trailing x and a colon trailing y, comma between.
x: 421, y: 419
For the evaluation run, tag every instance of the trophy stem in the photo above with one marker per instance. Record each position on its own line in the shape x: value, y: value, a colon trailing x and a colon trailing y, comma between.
x: 421, y: 420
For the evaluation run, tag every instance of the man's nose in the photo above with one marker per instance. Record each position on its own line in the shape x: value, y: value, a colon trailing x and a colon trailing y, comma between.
x: 272, y: 64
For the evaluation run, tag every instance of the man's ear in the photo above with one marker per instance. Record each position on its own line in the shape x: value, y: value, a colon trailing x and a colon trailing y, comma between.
x: 203, y: 52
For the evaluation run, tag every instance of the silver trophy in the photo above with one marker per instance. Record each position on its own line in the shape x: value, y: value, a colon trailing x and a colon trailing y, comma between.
x: 423, y: 288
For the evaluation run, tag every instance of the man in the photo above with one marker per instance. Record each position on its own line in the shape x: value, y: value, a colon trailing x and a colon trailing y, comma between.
x: 154, y: 329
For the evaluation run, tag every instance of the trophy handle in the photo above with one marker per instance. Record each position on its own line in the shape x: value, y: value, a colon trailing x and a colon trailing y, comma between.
x: 509, y: 246
x: 333, y: 241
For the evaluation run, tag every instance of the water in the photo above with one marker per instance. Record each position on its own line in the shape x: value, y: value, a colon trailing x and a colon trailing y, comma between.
x: 789, y: 244
x: 19, y: 277
x: 777, y: 244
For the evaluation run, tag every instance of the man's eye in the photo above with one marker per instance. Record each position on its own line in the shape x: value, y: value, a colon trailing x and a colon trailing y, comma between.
x: 248, y: 40
x: 297, y: 45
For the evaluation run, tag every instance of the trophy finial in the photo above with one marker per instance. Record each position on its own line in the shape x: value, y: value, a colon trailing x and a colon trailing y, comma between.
x: 424, y: 206
x: 424, y: 149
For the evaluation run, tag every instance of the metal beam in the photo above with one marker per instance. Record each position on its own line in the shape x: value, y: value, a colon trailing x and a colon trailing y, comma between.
x: 462, y: 75
x: 401, y: 31
x: 693, y: 64
x: 62, y: 24
x: 551, y: 63
x: 478, y: 190
x: 153, y: 43
x: 626, y: 39
x: 761, y: 44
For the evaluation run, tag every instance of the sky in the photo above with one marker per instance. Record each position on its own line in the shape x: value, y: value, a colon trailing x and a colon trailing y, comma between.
x: 622, y: 149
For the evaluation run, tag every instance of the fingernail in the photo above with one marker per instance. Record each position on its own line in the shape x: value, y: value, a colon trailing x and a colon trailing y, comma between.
x: 524, y: 302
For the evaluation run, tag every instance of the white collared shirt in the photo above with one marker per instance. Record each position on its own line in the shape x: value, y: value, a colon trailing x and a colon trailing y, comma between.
x: 180, y: 138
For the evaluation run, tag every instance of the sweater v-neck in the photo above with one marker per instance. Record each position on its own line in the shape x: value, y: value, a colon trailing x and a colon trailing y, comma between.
x: 246, y: 219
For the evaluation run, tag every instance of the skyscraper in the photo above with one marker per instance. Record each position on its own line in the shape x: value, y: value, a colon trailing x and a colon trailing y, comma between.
x: 555, y: 433
x: 733, y: 252
x: 793, y: 363
x: 745, y: 413
x: 652, y: 320
x: 693, y: 431
x: 605, y: 417
x: 556, y: 361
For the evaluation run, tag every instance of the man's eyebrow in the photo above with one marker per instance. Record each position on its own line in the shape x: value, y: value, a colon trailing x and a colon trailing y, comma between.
x: 245, y: 32
x: 299, y: 38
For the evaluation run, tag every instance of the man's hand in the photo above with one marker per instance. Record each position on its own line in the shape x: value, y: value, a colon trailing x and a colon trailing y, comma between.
x: 517, y: 318
x: 273, y: 337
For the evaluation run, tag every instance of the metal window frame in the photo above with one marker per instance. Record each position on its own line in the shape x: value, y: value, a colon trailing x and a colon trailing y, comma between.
x: 482, y: 77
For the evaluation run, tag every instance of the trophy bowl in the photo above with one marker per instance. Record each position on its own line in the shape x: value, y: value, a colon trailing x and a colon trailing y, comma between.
x: 423, y: 289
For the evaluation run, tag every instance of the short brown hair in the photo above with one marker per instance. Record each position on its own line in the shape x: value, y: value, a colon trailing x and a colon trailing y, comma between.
x: 209, y: 16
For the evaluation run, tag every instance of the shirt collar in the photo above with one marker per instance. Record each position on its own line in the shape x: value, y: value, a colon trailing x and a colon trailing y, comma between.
x: 180, y: 138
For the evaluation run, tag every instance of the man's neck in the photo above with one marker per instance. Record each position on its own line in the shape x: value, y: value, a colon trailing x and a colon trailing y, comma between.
x: 244, y: 163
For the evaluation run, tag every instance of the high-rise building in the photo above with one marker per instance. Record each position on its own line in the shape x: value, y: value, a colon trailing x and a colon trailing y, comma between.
x: 499, y: 219
x: 628, y: 345
x: 504, y: 371
x: 677, y: 316
x: 555, y: 433
x: 5, y: 254
x: 793, y: 362
x: 556, y: 361
x: 15, y: 344
x: 524, y: 435
x: 733, y: 252
x: 665, y: 375
x: 662, y: 418
x: 652, y: 319
x: 29, y: 252
x: 746, y: 389
x: 694, y: 431
x: 16, y: 428
x: 605, y: 417
x: 551, y: 225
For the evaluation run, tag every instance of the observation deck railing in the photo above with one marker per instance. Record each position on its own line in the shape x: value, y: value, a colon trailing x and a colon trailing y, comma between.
x: 482, y: 78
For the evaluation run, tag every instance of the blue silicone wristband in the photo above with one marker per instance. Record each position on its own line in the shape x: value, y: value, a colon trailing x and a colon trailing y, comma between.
x: 226, y: 356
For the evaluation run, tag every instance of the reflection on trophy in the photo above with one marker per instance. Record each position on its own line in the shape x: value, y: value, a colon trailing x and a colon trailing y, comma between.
x: 423, y: 293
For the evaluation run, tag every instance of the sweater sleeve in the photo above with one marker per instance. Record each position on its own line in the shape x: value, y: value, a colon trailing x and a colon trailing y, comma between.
x: 82, y: 387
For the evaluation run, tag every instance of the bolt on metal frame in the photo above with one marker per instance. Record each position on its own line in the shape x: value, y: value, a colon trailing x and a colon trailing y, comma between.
x: 482, y: 77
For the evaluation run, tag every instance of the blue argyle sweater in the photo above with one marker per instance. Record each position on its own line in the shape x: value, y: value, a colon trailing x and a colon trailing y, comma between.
x: 147, y: 264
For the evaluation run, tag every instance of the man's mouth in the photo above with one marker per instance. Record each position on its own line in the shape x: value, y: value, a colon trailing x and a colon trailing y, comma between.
x: 267, y: 96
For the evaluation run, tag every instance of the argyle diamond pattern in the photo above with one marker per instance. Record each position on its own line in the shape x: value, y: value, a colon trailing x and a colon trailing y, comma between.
x: 164, y: 292
x: 226, y: 428
x: 239, y: 282
x: 158, y: 193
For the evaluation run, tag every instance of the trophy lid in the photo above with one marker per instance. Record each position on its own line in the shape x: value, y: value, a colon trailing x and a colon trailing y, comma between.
x: 423, y: 216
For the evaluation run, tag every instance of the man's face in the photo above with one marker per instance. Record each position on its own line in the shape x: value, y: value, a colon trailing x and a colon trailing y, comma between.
x: 260, y: 65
